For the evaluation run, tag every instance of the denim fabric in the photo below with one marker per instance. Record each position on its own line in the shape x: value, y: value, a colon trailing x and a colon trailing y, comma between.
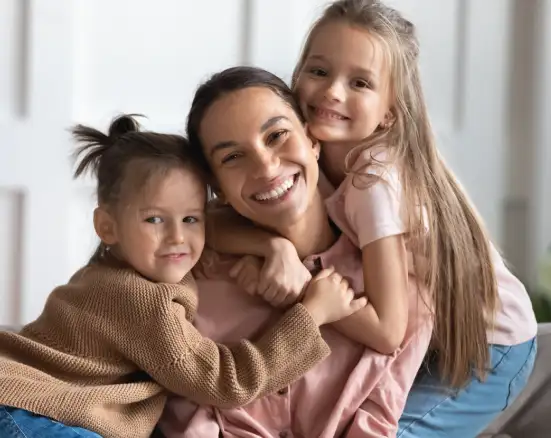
x: 18, y: 423
x: 434, y: 411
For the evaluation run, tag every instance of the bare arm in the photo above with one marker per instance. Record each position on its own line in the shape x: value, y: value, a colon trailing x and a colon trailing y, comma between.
x: 282, y: 277
x: 381, y: 325
x: 228, y: 232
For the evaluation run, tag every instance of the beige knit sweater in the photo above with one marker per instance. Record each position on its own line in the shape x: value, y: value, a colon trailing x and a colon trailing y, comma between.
x: 110, y: 343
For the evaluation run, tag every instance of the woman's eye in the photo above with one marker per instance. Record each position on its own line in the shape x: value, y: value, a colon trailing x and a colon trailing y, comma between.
x: 230, y: 157
x: 318, y: 71
x: 154, y: 220
x: 277, y: 136
x: 190, y: 220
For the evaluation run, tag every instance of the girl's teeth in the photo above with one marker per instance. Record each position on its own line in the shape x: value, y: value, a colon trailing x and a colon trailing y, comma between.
x: 330, y: 115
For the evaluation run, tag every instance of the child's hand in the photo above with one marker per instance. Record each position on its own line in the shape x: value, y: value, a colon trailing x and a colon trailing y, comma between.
x: 280, y: 279
x: 283, y: 277
x: 328, y: 298
x: 246, y: 272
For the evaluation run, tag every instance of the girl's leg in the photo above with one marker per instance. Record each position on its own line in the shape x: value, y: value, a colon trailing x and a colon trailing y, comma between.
x: 433, y: 410
x: 18, y: 423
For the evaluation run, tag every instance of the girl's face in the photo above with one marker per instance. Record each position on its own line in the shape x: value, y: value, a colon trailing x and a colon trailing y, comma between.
x: 343, y: 87
x: 160, y: 229
x: 264, y: 162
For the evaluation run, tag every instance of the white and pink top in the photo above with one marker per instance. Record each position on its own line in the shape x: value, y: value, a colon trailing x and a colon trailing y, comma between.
x: 368, y: 214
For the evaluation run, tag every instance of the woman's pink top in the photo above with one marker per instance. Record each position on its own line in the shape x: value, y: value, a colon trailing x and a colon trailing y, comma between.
x: 355, y: 392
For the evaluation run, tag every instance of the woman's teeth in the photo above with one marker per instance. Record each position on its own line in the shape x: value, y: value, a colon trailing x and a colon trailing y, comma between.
x: 276, y: 192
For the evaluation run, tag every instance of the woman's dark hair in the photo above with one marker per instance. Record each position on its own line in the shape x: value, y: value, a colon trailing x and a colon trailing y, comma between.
x: 108, y: 157
x: 225, y: 82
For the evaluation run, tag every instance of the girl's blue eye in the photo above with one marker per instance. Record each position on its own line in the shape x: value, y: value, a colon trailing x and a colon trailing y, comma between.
x: 361, y: 83
x: 154, y: 220
x: 190, y: 220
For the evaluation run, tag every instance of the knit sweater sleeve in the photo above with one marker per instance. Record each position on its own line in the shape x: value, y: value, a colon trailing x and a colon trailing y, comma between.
x: 170, y: 349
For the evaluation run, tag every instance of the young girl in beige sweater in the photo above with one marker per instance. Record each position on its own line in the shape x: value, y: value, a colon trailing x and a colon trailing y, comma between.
x: 111, y: 343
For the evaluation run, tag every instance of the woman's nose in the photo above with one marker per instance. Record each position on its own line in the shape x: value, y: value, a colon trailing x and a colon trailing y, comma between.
x: 266, y: 163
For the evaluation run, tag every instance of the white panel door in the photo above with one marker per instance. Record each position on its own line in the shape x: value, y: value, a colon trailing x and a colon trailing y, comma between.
x: 35, y: 107
x: 68, y: 61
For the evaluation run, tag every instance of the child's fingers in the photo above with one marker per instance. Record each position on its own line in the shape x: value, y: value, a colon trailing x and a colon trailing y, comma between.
x: 251, y: 288
x: 271, y: 293
x: 358, y: 304
x: 336, y: 278
x: 264, y: 284
x: 250, y: 279
x: 324, y: 273
x: 237, y: 268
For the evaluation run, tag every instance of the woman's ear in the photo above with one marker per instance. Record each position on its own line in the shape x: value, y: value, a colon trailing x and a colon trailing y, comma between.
x: 217, y: 194
x: 105, y: 226
x: 316, y: 147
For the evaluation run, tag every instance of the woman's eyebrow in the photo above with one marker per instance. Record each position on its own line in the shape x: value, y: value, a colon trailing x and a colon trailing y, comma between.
x: 222, y: 145
x: 271, y: 122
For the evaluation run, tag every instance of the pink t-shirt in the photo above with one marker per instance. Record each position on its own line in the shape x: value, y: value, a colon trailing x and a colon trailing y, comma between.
x: 355, y: 392
x: 367, y: 213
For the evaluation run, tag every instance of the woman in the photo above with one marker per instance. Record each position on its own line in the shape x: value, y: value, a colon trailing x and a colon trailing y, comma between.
x: 250, y: 135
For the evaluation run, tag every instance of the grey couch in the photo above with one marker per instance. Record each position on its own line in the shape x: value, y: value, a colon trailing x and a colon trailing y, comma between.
x: 530, y: 415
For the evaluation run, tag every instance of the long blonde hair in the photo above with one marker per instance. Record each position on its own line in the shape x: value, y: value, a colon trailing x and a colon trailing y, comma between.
x: 459, y: 272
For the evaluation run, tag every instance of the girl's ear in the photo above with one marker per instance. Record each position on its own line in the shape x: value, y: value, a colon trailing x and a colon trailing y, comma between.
x: 316, y: 147
x: 105, y: 226
x: 388, y: 120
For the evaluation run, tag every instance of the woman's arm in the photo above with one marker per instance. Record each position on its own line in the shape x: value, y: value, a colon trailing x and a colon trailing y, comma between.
x: 282, y: 277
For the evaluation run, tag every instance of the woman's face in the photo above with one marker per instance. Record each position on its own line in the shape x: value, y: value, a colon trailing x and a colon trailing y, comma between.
x: 264, y: 163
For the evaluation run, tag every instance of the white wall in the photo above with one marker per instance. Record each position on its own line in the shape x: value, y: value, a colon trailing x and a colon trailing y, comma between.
x: 542, y: 162
x: 67, y: 61
x: 527, y: 215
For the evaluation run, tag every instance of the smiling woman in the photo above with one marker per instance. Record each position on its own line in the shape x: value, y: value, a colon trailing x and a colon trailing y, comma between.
x: 264, y: 163
x: 272, y: 180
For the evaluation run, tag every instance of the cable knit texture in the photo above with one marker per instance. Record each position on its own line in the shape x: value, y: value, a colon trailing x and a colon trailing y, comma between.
x: 110, y: 344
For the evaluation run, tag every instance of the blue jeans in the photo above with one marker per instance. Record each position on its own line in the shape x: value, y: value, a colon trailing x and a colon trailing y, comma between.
x: 18, y: 423
x: 434, y: 411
